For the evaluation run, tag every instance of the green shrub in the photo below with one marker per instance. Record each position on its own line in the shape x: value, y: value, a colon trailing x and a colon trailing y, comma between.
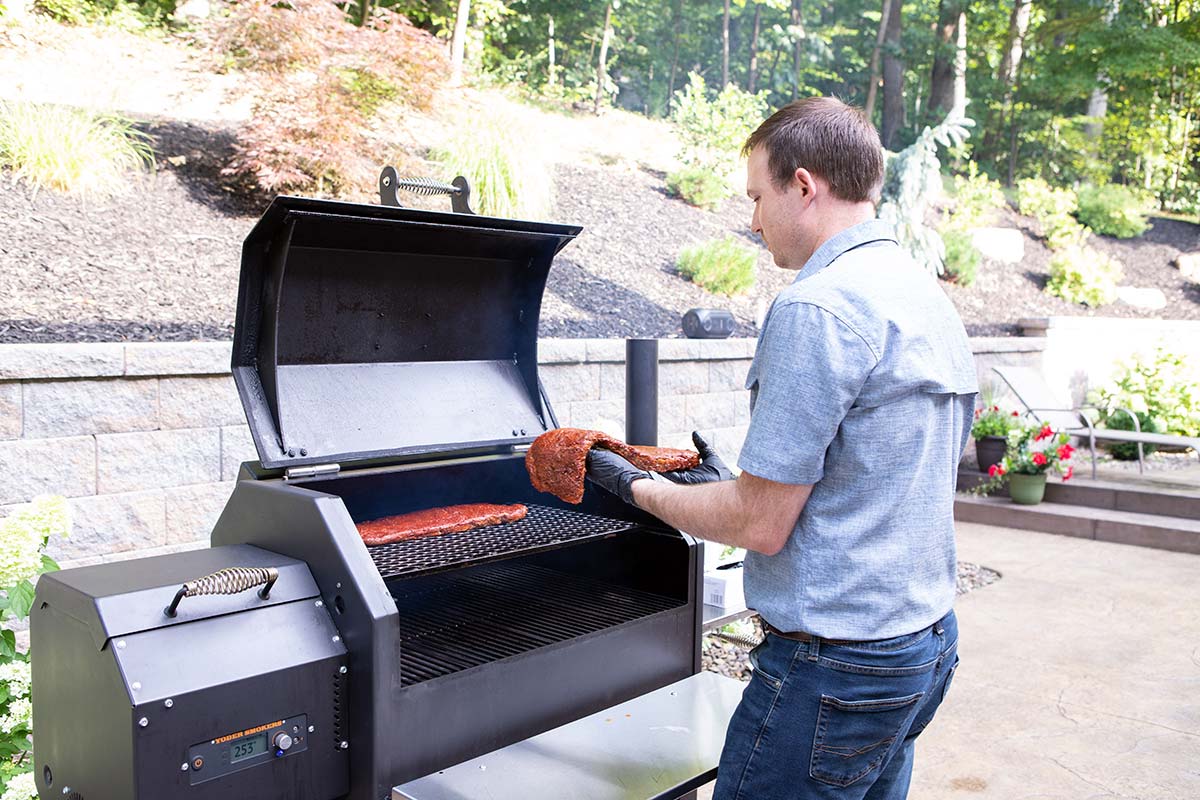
x: 70, y: 149
x: 1122, y: 421
x: 1164, y: 386
x: 962, y: 257
x: 1083, y: 275
x: 23, y: 537
x: 721, y: 266
x: 1054, y: 209
x: 976, y: 196
x: 1113, y: 211
x: 698, y: 186
x: 508, y: 176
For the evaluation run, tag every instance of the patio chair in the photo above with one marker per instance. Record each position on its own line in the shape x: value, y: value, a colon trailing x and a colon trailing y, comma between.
x: 1043, y: 405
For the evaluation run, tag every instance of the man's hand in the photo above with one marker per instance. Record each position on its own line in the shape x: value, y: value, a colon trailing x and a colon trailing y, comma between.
x: 611, y: 472
x: 711, y: 468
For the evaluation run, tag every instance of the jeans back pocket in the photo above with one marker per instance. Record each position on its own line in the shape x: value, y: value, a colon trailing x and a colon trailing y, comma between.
x: 854, y: 737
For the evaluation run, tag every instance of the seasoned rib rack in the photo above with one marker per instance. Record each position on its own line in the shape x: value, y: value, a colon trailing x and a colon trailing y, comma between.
x: 541, y: 529
x: 465, y: 619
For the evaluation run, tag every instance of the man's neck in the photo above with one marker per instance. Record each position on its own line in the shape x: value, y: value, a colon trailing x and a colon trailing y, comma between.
x: 846, y: 216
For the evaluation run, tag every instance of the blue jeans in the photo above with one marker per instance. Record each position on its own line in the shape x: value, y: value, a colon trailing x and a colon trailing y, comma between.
x: 821, y: 721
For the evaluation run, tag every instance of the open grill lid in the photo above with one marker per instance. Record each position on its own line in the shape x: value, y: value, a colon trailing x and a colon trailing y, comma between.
x: 372, y: 332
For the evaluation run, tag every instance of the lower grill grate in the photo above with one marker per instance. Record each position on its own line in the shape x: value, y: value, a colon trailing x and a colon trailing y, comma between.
x: 460, y: 620
x: 542, y: 529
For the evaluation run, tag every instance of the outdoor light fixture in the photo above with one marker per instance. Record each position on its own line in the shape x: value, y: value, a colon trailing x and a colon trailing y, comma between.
x: 708, y: 323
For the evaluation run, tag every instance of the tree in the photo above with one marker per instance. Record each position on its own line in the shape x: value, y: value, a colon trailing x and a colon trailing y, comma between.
x: 457, y: 43
x: 893, y: 79
x: 873, y: 81
x: 602, y: 66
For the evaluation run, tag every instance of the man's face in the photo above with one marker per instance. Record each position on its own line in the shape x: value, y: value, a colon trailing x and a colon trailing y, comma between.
x: 779, y: 214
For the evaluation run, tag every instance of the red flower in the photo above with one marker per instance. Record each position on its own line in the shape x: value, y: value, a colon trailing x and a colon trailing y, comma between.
x: 1065, y: 452
x: 977, y: 413
x: 1067, y: 475
x: 1016, y: 414
x: 1044, y: 433
x: 1039, y: 459
x: 993, y: 470
x: 995, y: 408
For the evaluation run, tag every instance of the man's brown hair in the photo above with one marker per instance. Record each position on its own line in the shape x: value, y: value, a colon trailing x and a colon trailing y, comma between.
x: 829, y: 139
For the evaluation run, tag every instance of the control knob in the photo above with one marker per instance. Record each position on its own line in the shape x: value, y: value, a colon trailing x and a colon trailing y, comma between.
x: 283, y: 742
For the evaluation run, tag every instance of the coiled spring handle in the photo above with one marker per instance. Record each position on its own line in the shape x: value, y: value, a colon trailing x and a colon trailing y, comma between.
x: 230, y: 580
x: 458, y: 189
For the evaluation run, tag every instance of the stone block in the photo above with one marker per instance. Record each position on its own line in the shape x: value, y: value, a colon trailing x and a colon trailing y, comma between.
x: 726, y: 348
x: 713, y: 410
x: 683, y: 377
x: 114, y: 522
x: 199, y: 402
x: 28, y: 361
x: 1005, y: 245
x: 728, y: 376
x: 672, y: 413
x: 606, y: 350
x: 612, y: 382
x: 678, y: 349
x: 192, y: 511
x: 130, y: 461
x: 562, y: 351
x: 1142, y: 297
x: 178, y: 358
x: 598, y: 415
x: 30, y: 467
x: 741, y: 407
x: 236, y: 446
x: 1189, y: 265
x: 77, y: 408
x: 11, y: 414
x: 567, y: 383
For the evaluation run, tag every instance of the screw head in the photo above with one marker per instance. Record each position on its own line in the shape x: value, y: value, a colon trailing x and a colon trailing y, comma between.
x: 337, y: 638
x: 342, y: 670
x: 183, y: 767
x: 319, y: 604
x: 136, y: 686
x: 169, y: 703
x: 143, y: 722
x: 120, y: 644
x: 344, y: 745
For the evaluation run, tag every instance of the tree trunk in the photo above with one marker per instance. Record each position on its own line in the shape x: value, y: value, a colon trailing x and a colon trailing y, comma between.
x: 458, y: 41
x: 1010, y: 65
x: 725, y: 47
x: 873, y: 83
x: 941, y: 76
x: 753, y: 83
x: 1097, y: 108
x: 678, y: 34
x: 959, y: 106
x: 602, y: 67
x: 550, y: 72
x: 893, y: 80
x: 364, y: 12
x: 797, y: 22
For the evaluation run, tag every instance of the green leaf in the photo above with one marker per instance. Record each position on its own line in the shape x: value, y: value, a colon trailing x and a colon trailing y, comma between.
x: 20, y: 598
x: 8, y: 644
x: 49, y: 564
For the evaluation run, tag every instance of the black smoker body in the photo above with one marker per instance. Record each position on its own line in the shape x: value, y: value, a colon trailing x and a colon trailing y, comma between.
x: 387, y: 362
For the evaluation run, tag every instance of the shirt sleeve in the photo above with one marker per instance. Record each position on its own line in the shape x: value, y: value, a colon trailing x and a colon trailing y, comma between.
x: 810, y: 367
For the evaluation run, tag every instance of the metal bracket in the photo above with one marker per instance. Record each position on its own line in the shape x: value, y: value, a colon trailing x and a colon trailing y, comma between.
x: 458, y: 189
x: 292, y: 473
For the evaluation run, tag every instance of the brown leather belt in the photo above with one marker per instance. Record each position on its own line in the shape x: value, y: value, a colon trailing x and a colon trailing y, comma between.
x: 801, y: 636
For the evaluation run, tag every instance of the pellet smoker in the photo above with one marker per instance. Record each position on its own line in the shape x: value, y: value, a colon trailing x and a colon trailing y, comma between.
x: 386, y: 359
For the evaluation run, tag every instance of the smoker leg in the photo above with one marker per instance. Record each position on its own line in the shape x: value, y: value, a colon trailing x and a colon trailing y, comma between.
x: 688, y: 796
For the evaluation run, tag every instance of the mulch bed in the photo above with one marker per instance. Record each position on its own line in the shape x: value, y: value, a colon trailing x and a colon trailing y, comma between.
x: 161, y: 262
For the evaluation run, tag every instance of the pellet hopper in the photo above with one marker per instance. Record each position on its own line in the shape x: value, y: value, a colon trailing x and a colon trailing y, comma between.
x: 386, y: 359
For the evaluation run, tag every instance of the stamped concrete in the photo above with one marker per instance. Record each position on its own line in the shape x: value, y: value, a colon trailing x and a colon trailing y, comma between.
x: 1080, y: 675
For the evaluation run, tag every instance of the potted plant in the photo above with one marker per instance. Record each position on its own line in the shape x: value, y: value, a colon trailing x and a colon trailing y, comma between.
x: 1032, y: 452
x: 990, y: 430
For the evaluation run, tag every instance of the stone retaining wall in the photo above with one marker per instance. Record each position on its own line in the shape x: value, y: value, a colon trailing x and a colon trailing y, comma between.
x: 146, y: 439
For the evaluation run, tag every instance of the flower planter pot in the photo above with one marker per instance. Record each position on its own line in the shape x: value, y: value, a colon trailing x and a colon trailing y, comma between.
x: 1027, y: 490
x: 989, y: 450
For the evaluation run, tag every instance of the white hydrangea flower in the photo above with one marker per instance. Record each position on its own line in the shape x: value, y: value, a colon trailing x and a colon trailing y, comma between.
x: 20, y: 787
x: 17, y: 675
x: 22, y: 533
x: 20, y: 714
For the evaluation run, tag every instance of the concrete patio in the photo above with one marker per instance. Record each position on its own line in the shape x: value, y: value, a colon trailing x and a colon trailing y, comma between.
x: 1080, y: 675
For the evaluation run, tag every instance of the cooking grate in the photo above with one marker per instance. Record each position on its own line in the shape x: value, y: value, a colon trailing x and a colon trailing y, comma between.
x: 541, y: 529
x: 464, y: 619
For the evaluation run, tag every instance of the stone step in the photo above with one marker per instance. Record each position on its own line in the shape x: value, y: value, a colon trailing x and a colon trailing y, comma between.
x: 1138, y: 495
x: 1181, y: 534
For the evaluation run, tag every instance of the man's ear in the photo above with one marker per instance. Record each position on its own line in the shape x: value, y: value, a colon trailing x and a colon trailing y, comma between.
x: 806, y: 182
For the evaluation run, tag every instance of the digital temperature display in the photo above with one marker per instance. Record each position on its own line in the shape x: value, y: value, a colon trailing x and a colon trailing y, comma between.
x: 248, y: 747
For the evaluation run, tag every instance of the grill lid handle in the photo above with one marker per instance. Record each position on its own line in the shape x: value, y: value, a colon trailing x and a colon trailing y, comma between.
x: 230, y: 580
x: 458, y: 189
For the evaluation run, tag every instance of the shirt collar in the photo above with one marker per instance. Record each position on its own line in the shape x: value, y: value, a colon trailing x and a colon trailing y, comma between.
x: 874, y: 230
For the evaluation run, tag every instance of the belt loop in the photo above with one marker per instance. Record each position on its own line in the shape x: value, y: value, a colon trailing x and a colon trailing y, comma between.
x: 814, y: 649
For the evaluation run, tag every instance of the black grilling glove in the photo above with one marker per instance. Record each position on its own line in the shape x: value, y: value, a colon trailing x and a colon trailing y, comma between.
x: 711, y: 469
x: 609, y: 471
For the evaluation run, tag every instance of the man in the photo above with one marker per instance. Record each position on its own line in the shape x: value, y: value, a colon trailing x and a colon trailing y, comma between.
x: 862, y: 391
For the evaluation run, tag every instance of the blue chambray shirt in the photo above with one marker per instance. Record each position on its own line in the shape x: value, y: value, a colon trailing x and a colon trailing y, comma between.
x: 863, y: 385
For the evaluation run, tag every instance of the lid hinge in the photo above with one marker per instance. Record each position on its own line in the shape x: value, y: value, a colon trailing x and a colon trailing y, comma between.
x: 311, y: 472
